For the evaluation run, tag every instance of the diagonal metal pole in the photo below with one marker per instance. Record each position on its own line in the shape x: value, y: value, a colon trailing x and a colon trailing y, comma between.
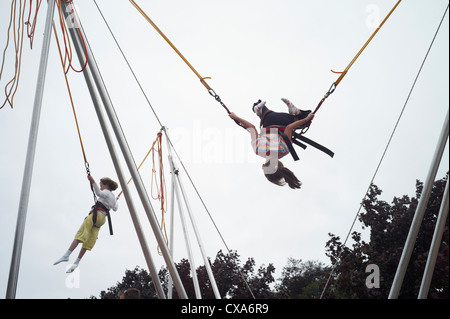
x: 31, y: 151
x: 435, y: 244
x: 420, y: 212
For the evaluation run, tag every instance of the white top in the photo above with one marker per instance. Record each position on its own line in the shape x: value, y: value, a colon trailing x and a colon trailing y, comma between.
x: 106, y: 197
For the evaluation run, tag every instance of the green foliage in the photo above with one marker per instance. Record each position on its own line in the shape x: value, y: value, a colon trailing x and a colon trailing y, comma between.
x: 388, y: 224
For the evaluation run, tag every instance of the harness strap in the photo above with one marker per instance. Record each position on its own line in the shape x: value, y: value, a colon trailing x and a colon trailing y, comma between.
x: 263, y: 116
x: 284, y: 136
x: 297, y: 136
x: 99, y: 206
x: 289, y: 145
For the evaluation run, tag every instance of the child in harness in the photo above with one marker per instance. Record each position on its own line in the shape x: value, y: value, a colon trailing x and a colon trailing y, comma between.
x: 273, y: 142
x: 89, y: 229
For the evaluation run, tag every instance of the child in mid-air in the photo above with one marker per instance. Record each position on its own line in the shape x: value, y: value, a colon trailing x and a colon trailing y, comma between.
x: 88, y: 232
x: 270, y: 143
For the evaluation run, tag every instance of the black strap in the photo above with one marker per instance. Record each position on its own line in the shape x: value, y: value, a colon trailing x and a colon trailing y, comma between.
x: 110, y: 224
x: 296, y: 142
x: 295, y: 139
x: 94, y: 215
x: 289, y: 145
x: 322, y: 148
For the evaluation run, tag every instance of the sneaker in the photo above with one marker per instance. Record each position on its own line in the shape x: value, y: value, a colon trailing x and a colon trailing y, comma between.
x: 258, y: 107
x: 299, y: 114
x: 62, y: 259
x: 71, y: 268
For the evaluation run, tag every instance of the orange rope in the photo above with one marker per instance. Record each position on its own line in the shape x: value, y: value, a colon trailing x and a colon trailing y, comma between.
x: 161, y: 187
x: 142, y: 162
x: 12, y: 86
x: 63, y: 61
x: 202, y: 79
x: 157, y: 182
x: 30, y: 24
x: 343, y: 73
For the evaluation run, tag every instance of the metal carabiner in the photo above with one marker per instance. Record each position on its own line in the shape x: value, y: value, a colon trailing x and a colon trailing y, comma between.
x: 88, y: 171
x: 331, y: 90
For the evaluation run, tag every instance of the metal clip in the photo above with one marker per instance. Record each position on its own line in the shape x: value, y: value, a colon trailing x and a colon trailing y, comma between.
x: 331, y: 90
x: 88, y: 171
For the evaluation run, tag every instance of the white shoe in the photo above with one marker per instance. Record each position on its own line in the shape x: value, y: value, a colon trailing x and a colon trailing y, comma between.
x: 62, y: 259
x: 292, y: 109
x: 258, y: 107
x: 72, y: 268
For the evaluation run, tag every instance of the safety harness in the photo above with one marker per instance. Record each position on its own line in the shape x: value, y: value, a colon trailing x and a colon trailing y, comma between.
x: 297, y: 139
x: 94, y: 210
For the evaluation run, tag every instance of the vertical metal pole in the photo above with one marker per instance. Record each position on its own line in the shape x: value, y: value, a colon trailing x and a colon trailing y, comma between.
x: 31, y: 151
x: 172, y: 220
x: 122, y: 179
x: 132, y: 166
x: 435, y: 244
x: 194, y: 226
x: 200, y: 242
x: 420, y: 211
x: 185, y: 232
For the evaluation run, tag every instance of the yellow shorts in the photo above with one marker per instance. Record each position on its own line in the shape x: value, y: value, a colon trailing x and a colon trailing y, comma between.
x: 88, y: 233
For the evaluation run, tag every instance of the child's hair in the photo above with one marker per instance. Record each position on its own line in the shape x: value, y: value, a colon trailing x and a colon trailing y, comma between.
x: 283, y: 176
x: 130, y: 293
x: 110, y: 183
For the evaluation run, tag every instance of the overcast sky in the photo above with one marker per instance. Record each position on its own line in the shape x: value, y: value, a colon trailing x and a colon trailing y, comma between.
x: 252, y: 50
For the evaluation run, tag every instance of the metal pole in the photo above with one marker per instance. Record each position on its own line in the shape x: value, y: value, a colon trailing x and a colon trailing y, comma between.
x: 132, y: 166
x: 122, y: 179
x: 185, y: 232
x: 435, y: 244
x: 172, y: 220
x: 197, y: 234
x: 31, y: 151
x: 420, y: 211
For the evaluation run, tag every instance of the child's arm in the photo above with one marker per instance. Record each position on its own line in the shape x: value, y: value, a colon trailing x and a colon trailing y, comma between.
x: 291, y: 127
x: 247, y: 125
x: 96, y: 189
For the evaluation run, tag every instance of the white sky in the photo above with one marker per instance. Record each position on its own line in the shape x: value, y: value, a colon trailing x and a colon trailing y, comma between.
x: 252, y: 50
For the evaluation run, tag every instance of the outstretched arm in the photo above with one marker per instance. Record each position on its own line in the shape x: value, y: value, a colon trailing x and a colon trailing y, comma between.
x: 96, y: 189
x: 291, y: 127
x: 247, y: 125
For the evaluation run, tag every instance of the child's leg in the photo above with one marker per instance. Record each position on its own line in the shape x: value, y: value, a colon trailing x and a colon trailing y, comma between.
x: 260, y: 108
x: 278, y: 119
x: 89, y: 243
x: 77, y: 261
x: 292, y: 109
x: 74, y: 244
x: 66, y: 256
x: 80, y: 237
x: 299, y: 114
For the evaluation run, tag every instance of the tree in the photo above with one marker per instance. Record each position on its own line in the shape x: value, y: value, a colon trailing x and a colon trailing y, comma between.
x: 302, y: 280
x: 229, y: 277
x: 227, y: 272
x: 136, y: 278
x: 389, y: 226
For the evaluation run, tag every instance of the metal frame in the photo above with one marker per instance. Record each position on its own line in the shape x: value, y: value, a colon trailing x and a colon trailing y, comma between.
x: 419, y: 214
x: 176, y: 187
x: 31, y: 151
